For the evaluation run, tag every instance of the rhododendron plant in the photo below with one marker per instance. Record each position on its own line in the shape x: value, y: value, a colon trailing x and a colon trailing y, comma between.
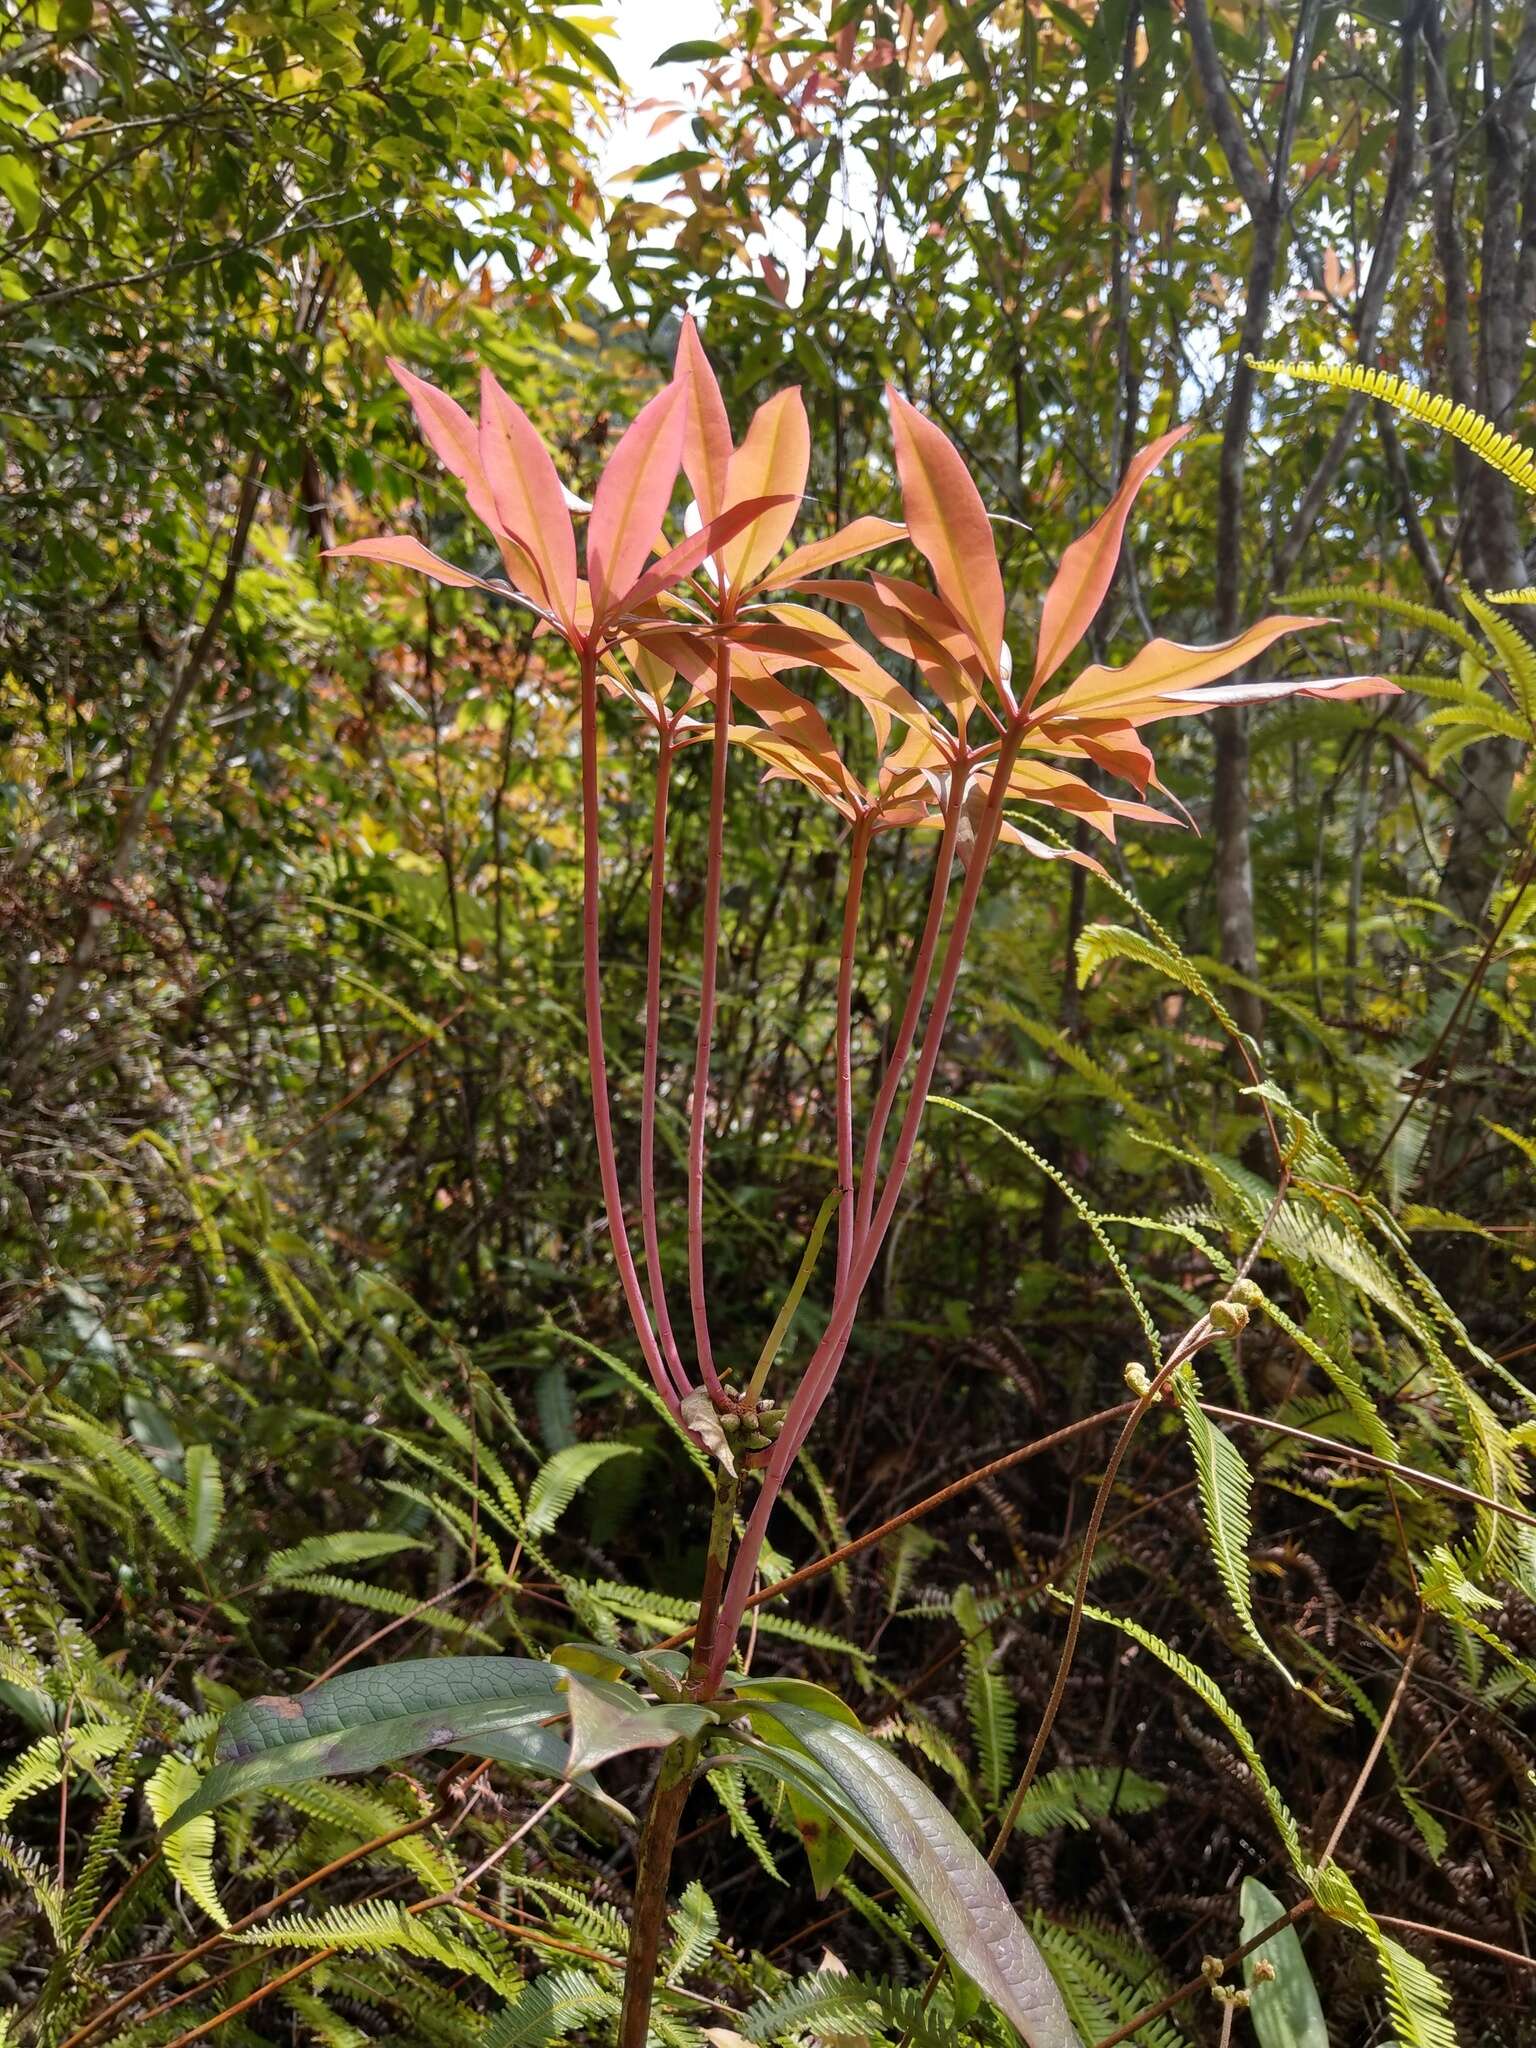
x: 694, y: 636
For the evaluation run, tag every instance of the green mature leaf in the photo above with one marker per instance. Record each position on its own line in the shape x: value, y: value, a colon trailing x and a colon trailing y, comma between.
x: 477, y: 1706
x: 609, y: 1720
x: 1286, y: 2011
x: 903, y: 1829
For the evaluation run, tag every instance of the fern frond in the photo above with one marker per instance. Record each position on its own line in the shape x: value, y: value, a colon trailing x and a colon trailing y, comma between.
x: 203, y: 1496
x: 30, y: 1872
x: 560, y: 1478
x: 387, y: 1600
x: 340, y: 1546
x: 551, y: 2008
x: 1077, y: 1796
x: 45, y: 1761
x: 358, y: 1813
x: 1501, y: 451
x: 1517, y: 656
x: 1427, y: 618
x: 133, y: 1472
x: 189, y: 1851
x: 1226, y: 1486
x: 1098, y: 1995
x: 832, y: 2004
x: 373, y: 1926
x: 988, y: 1700
x: 695, y: 1928
x: 327, y: 2026
x: 1417, y: 2000
x: 1207, y: 1690
x: 730, y: 1788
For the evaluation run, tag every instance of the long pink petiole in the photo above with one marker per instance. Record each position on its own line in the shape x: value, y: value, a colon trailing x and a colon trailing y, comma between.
x: 922, y: 972
x: 846, y: 1225
x: 651, y: 1064
x: 597, y: 1059
x: 708, y: 984
x: 828, y: 1356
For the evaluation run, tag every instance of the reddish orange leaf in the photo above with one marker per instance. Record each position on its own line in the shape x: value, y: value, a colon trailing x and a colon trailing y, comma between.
x: 682, y: 560
x: 632, y: 498
x: 1088, y: 567
x: 1339, y: 688
x: 706, y: 430
x: 949, y: 524
x: 530, y: 499
x: 1133, y: 693
x: 773, y: 461
x: 857, y: 538
x: 406, y: 553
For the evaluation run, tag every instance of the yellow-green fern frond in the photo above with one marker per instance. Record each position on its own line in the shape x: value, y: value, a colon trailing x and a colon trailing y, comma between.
x: 1426, y: 617
x: 1526, y: 594
x: 1517, y: 657
x: 1499, y: 450
x: 189, y: 1851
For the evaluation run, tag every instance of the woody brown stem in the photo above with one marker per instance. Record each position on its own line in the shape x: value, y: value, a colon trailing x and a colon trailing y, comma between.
x: 658, y: 1839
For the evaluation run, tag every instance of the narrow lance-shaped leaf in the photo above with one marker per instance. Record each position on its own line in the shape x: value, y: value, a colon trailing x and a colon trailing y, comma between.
x: 1088, y: 567
x: 949, y: 524
x: 773, y: 461
x: 706, y: 429
x: 529, y: 497
x: 682, y: 560
x: 609, y: 1720
x: 453, y: 438
x: 403, y: 552
x: 858, y: 537
x: 1285, y: 2010
x: 632, y: 498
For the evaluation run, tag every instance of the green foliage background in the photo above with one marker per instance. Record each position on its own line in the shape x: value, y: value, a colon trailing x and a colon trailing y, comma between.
x: 311, y: 1341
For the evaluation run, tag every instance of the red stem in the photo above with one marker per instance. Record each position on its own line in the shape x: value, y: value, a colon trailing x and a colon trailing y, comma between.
x: 922, y: 970
x: 846, y: 1231
x: 648, y: 1225
x: 597, y: 1059
x: 828, y: 1356
x: 707, y: 985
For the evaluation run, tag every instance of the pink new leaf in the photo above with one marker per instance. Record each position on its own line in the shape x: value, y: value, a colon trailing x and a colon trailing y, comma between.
x: 632, y: 498
x: 1088, y: 568
x: 529, y: 497
x: 949, y: 524
x: 451, y: 434
x: 706, y: 430
x: 682, y: 560
x: 773, y: 461
x: 405, y: 553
